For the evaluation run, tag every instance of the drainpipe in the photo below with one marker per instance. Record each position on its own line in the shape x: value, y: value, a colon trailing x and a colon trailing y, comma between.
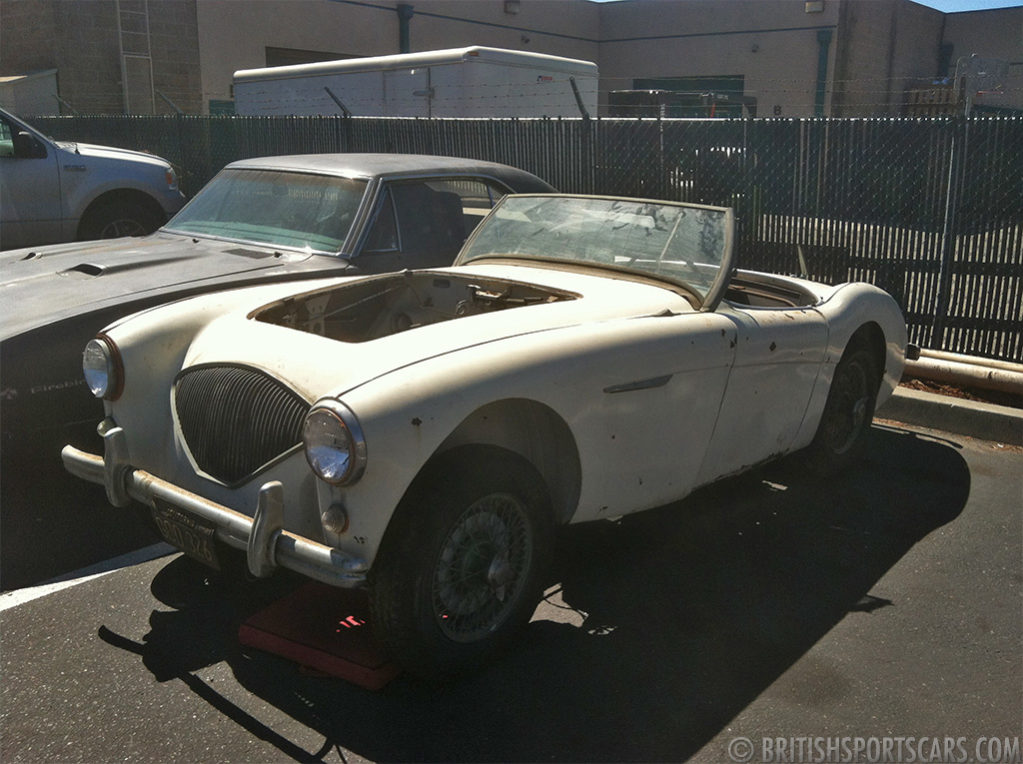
x: 405, y: 14
x: 823, y: 44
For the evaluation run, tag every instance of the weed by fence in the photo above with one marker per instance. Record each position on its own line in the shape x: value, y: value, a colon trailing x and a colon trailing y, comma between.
x: 929, y: 209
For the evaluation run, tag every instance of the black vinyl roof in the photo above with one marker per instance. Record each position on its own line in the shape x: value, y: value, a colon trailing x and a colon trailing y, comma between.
x: 395, y: 165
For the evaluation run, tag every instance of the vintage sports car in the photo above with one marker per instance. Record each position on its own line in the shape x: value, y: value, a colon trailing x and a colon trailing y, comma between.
x: 259, y: 220
x: 422, y: 434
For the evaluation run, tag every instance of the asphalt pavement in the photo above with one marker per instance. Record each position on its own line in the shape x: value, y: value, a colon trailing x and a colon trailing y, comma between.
x: 771, y: 612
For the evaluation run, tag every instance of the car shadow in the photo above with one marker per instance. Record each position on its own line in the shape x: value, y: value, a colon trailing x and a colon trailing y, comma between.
x: 657, y: 630
x: 52, y: 523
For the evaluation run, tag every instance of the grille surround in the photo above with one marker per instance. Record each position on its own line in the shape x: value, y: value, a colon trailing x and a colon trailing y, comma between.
x: 235, y: 420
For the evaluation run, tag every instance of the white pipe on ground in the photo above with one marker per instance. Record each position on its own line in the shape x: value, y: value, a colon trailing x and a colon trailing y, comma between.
x: 967, y: 374
x: 941, y: 355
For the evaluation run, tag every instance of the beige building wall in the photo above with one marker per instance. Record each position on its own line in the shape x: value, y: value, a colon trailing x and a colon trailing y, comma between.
x: 772, y: 43
x: 916, y: 53
x: 885, y: 47
x: 874, y: 50
x: 995, y: 34
x: 566, y: 28
x: 105, y: 50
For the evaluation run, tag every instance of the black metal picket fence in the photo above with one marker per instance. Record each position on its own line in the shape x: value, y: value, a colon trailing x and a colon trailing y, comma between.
x: 929, y: 209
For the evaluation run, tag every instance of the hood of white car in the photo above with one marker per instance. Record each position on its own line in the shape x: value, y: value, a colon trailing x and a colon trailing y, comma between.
x: 316, y: 365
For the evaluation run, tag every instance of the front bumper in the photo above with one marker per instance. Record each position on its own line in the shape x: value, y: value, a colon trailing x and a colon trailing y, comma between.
x: 262, y: 536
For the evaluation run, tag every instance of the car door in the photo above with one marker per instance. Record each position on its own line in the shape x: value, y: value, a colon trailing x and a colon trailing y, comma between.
x: 778, y: 355
x: 30, y: 200
x: 645, y: 437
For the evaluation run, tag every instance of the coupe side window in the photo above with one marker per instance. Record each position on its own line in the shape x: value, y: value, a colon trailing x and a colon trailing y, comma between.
x: 477, y: 197
x: 428, y: 220
x: 432, y: 216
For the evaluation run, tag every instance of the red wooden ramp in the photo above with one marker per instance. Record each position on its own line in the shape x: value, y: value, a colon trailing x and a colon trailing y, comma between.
x: 323, y: 628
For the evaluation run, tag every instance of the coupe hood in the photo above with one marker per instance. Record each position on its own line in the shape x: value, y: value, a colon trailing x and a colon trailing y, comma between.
x: 44, y: 285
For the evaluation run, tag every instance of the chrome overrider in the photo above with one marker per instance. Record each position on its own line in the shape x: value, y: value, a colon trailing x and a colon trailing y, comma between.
x: 262, y: 536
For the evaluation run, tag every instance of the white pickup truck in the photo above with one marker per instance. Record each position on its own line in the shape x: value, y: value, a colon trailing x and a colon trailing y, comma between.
x: 55, y: 191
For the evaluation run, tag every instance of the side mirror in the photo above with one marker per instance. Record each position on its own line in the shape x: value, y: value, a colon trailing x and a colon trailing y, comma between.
x: 27, y: 146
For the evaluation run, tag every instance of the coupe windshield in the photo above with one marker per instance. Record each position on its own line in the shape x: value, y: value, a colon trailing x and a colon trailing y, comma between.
x: 286, y: 209
x: 686, y: 244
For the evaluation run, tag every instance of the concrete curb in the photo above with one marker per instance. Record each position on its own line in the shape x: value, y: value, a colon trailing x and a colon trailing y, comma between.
x: 986, y: 421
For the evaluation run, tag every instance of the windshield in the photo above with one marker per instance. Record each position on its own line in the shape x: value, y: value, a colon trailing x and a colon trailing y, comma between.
x: 685, y: 244
x: 286, y: 209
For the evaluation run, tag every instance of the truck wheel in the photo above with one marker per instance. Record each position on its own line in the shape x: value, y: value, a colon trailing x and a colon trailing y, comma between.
x: 848, y: 412
x: 462, y: 566
x: 117, y: 218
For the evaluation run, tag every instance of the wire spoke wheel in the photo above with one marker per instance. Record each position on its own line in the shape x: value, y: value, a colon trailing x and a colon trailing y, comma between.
x: 848, y: 412
x: 482, y: 568
x: 847, y: 408
x: 464, y: 561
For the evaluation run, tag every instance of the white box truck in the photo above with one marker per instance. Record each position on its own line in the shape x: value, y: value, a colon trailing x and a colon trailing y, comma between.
x: 461, y: 82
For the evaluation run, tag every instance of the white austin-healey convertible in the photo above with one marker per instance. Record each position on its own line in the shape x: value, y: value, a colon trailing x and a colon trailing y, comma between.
x: 421, y: 434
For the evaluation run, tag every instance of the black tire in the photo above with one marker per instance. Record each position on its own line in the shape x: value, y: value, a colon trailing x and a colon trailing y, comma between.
x: 115, y: 218
x: 848, y: 412
x: 462, y: 567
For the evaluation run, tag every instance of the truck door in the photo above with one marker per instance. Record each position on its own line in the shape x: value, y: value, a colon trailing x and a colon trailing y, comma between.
x: 30, y: 202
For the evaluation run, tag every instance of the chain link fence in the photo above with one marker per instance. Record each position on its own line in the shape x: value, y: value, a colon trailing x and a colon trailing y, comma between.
x: 929, y: 209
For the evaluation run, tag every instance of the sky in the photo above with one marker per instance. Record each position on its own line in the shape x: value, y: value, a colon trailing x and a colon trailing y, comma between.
x: 946, y: 6
x: 954, y: 6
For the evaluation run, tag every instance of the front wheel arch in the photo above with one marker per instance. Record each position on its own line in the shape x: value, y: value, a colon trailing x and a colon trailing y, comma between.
x: 129, y: 203
x: 871, y: 338
x: 535, y: 432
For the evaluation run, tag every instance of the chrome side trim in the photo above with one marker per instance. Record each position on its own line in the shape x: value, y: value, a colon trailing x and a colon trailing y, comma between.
x: 640, y: 384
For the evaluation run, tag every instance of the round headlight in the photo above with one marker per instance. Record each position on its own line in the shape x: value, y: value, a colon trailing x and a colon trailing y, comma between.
x: 333, y: 441
x: 102, y: 368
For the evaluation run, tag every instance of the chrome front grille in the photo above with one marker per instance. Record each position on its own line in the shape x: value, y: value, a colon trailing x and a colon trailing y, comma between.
x: 235, y: 419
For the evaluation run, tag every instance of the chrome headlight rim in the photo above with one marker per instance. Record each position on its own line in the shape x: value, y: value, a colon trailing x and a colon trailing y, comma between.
x: 337, y: 414
x: 105, y: 379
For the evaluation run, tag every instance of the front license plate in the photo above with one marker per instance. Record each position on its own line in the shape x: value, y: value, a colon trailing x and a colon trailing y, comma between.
x: 191, y: 534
